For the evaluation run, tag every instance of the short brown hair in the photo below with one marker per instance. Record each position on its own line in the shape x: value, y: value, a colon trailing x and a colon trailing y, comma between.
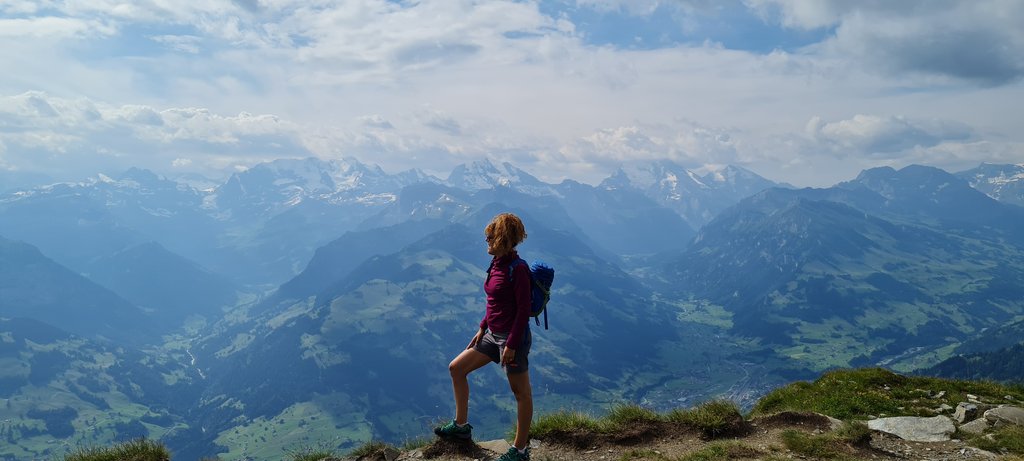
x: 506, y: 231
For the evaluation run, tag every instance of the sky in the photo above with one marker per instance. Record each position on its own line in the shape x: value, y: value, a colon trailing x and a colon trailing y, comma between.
x: 809, y: 92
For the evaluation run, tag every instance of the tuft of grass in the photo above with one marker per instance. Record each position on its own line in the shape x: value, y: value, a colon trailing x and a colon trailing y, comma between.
x: 858, y: 393
x: 135, y: 450
x: 620, y: 417
x: 371, y: 448
x: 565, y: 421
x: 724, y: 451
x: 854, y: 433
x: 1006, y: 440
x: 814, y: 446
x: 710, y: 418
x: 312, y: 454
x: 628, y: 413
x: 415, y: 443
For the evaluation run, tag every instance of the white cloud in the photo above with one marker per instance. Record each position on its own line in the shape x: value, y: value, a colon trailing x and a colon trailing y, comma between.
x: 53, y: 28
x: 977, y: 41
x: 434, y: 83
x: 375, y: 121
x: 67, y: 137
x: 884, y: 137
x: 183, y: 43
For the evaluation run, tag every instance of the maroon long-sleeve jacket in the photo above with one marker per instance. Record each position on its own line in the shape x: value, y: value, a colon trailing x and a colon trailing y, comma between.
x: 508, y: 300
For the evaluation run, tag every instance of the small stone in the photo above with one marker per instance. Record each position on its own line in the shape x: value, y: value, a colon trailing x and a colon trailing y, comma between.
x: 940, y: 395
x: 1008, y: 397
x: 943, y: 408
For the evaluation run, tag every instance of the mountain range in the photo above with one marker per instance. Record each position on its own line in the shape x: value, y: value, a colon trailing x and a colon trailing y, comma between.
x: 306, y: 300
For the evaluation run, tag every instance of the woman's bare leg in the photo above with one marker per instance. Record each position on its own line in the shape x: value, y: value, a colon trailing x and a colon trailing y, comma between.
x: 520, y: 384
x: 460, y: 368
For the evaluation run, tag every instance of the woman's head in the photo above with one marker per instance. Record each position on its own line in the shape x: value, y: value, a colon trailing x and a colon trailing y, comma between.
x: 503, y: 233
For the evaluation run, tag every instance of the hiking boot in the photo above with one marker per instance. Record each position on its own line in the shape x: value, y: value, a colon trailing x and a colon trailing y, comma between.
x: 451, y: 430
x: 513, y: 455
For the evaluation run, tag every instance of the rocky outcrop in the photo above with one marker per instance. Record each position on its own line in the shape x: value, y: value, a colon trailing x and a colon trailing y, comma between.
x: 1005, y: 415
x: 916, y: 429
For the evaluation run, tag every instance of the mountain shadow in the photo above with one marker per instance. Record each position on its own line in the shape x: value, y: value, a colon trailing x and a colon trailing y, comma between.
x: 34, y: 286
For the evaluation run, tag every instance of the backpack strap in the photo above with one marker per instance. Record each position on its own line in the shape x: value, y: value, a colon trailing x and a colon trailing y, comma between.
x: 547, y: 297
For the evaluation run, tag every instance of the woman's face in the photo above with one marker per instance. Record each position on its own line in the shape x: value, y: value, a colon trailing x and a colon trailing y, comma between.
x: 492, y: 249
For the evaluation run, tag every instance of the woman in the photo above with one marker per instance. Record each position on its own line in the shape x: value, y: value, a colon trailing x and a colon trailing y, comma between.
x: 504, y: 336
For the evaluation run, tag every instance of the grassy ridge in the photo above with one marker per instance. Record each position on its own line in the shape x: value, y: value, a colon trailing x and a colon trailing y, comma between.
x: 851, y: 395
x: 135, y: 450
x: 862, y: 393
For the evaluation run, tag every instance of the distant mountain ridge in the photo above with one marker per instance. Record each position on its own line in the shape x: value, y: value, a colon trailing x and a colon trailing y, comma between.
x: 356, y: 287
x: 695, y: 197
x: 1005, y: 365
x: 34, y: 286
x: 864, y: 271
x: 1001, y: 182
x: 153, y: 278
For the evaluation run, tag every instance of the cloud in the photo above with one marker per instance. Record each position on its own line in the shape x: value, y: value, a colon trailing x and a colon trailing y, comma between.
x: 885, y: 137
x: 375, y: 121
x: 183, y: 43
x: 106, y: 84
x: 71, y: 137
x: 979, y: 42
x: 687, y: 143
x: 53, y: 28
x: 440, y: 122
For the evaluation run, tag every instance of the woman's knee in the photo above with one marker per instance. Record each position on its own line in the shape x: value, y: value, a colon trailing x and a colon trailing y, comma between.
x: 521, y: 390
x: 455, y: 369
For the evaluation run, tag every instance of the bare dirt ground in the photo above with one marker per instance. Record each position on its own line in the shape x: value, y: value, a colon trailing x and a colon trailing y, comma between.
x: 760, y: 439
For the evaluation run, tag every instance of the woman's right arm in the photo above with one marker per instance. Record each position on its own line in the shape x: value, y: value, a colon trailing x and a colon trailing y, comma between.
x: 476, y: 338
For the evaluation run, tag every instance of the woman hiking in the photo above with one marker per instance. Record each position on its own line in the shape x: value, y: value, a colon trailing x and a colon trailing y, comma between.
x: 504, y: 336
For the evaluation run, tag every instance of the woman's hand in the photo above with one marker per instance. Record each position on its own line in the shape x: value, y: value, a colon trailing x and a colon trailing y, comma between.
x: 508, y: 357
x: 476, y: 338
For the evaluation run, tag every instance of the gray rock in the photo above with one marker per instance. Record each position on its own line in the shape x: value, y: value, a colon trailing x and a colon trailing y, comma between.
x: 1006, y: 415
x: 940, y: 395
x: 496, y: 446
x: 916, y: 429
x: 977, y: 426
x: 833, y: 423
x: 943, y: 408
x: 965, y: 412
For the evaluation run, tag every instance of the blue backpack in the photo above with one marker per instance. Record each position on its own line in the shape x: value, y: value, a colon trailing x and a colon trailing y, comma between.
x: 541, y: 277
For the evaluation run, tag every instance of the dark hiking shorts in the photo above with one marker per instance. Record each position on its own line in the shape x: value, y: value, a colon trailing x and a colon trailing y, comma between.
x: 493, y: 344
